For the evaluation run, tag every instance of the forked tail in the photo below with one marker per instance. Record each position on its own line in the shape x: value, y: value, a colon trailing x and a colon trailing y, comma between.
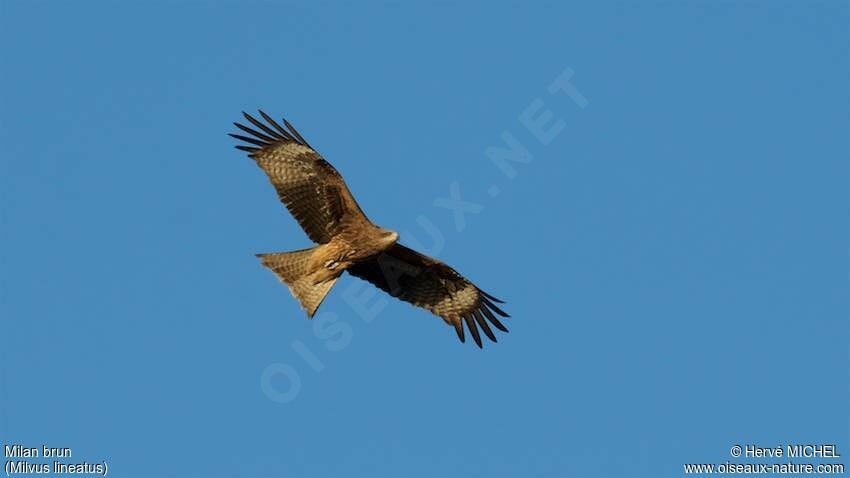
x: 293, y: 269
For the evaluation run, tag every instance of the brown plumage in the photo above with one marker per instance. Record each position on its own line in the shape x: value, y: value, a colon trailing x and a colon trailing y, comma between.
x: 316, y: 195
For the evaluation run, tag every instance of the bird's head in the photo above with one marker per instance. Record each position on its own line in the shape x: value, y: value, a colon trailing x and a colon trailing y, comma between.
x: 389, y: 237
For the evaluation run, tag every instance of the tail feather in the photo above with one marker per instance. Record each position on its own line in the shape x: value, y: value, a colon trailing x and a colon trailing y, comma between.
x: 293, y: 269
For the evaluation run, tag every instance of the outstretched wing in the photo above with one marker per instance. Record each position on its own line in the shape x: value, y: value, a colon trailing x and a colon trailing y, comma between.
x: 428, y: 283
x: 312, y: 190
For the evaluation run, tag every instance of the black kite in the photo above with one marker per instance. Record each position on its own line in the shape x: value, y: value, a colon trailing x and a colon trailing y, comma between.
x: 316, y: 195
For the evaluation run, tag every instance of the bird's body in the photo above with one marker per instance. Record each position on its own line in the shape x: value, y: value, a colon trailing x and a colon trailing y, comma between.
x: 318, y: 198
x: 329, y: 261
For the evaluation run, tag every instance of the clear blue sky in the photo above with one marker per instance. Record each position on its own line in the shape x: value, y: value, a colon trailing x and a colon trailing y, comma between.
x: 675, y: 258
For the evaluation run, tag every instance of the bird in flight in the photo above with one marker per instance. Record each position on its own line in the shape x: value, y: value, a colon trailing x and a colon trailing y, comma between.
x: 316, y: 195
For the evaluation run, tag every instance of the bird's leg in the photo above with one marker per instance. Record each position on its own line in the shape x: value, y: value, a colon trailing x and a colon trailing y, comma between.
x: 328, y: 268
x: 330, y: 260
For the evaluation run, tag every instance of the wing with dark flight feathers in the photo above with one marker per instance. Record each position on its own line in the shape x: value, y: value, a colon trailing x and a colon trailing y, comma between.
x: 431, y: 284
x: 312, y: 190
